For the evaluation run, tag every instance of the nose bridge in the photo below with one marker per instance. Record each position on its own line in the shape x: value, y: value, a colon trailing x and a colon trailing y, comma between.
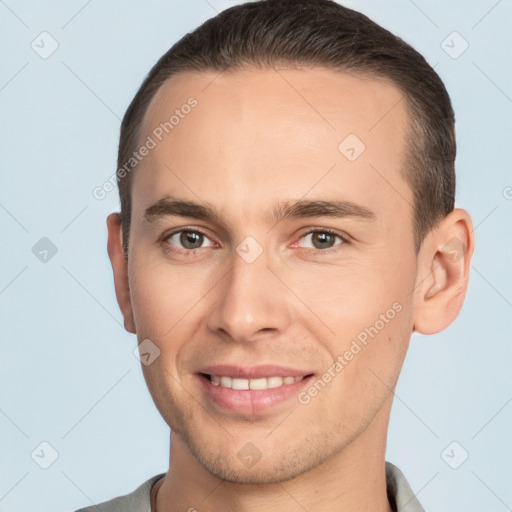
x: 249, y: 302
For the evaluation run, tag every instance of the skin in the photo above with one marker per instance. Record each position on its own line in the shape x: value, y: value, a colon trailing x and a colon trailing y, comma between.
x: 258, y: 137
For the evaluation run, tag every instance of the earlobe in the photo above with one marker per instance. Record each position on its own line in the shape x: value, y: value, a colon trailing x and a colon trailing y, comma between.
x: 120, y: 269
x: 443, y: 273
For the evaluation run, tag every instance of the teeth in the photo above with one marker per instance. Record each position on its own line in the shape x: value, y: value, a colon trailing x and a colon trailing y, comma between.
x: 226, y: 382
x: 255, y: 384
x: 274, y: 382
x: 239, y: 384
x: 258, y: 383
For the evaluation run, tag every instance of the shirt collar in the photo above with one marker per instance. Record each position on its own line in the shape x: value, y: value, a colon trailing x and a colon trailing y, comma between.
x: 400, y: 495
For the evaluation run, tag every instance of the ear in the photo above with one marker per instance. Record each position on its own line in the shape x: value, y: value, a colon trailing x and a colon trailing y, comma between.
x: 444, y: 261
x: 120, y: 268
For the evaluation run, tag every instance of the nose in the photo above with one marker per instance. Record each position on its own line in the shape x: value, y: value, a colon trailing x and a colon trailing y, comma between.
x: 251, y: 302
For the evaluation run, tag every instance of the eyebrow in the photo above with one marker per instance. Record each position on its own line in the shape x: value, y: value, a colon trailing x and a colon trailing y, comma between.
x: 171, y: 206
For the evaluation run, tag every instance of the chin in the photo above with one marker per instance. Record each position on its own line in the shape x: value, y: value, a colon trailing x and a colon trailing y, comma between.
x: 261, y: 473
x: 274, y: 465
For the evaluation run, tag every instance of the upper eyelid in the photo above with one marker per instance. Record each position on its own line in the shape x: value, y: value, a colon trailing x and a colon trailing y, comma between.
x: 323, y: 230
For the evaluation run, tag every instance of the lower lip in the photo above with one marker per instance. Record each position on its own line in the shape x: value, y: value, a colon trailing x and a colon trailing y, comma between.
x: 248, y: 401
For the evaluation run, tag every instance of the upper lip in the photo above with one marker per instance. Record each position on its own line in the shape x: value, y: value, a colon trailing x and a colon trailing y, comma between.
x: 252, y: 372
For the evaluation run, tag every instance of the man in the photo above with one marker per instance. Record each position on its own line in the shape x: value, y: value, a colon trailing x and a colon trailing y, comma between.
x: 286, y: 174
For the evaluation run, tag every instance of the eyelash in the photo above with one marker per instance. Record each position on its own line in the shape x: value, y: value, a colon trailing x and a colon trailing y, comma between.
x: 309, y: 250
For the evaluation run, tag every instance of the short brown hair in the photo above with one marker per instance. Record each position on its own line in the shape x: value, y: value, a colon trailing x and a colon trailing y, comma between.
x: 316, y: 33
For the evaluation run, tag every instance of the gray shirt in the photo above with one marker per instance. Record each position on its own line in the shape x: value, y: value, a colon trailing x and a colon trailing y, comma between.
x: 400, y: 495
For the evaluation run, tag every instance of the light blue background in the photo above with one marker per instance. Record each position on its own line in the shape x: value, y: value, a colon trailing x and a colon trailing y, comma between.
x: 68, y: 374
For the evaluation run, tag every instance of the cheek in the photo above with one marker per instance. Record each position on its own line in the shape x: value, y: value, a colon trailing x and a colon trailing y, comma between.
x: 368, y: 368
x: 164, y: 296
x: 363, y: 317
x: 350, y: 297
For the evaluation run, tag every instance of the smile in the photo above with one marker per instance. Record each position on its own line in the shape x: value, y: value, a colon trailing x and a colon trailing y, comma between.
x: 251, y: 390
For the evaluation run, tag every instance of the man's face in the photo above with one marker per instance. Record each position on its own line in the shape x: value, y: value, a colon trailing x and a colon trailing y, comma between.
x: 259, y: 296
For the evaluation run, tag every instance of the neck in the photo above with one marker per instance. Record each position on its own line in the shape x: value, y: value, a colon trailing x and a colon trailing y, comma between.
x: 352, y: 480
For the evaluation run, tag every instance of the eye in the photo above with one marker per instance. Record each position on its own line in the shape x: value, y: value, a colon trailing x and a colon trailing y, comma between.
x: 188, y: 239
x: 321, y: 240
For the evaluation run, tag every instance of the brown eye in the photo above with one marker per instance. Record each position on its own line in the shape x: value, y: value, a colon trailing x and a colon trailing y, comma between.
x: 321, y: 240
x: 191, y: 239
x: 188, y: 239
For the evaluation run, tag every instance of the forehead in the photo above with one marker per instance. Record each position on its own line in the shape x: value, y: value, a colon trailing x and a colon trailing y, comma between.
x: 283, y: 127
x: 339, y: 99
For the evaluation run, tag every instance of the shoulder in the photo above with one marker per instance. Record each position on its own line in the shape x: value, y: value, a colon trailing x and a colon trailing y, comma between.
x: 136, y: 501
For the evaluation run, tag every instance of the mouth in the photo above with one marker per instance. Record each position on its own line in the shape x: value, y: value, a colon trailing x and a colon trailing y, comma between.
x: 252, y: 390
